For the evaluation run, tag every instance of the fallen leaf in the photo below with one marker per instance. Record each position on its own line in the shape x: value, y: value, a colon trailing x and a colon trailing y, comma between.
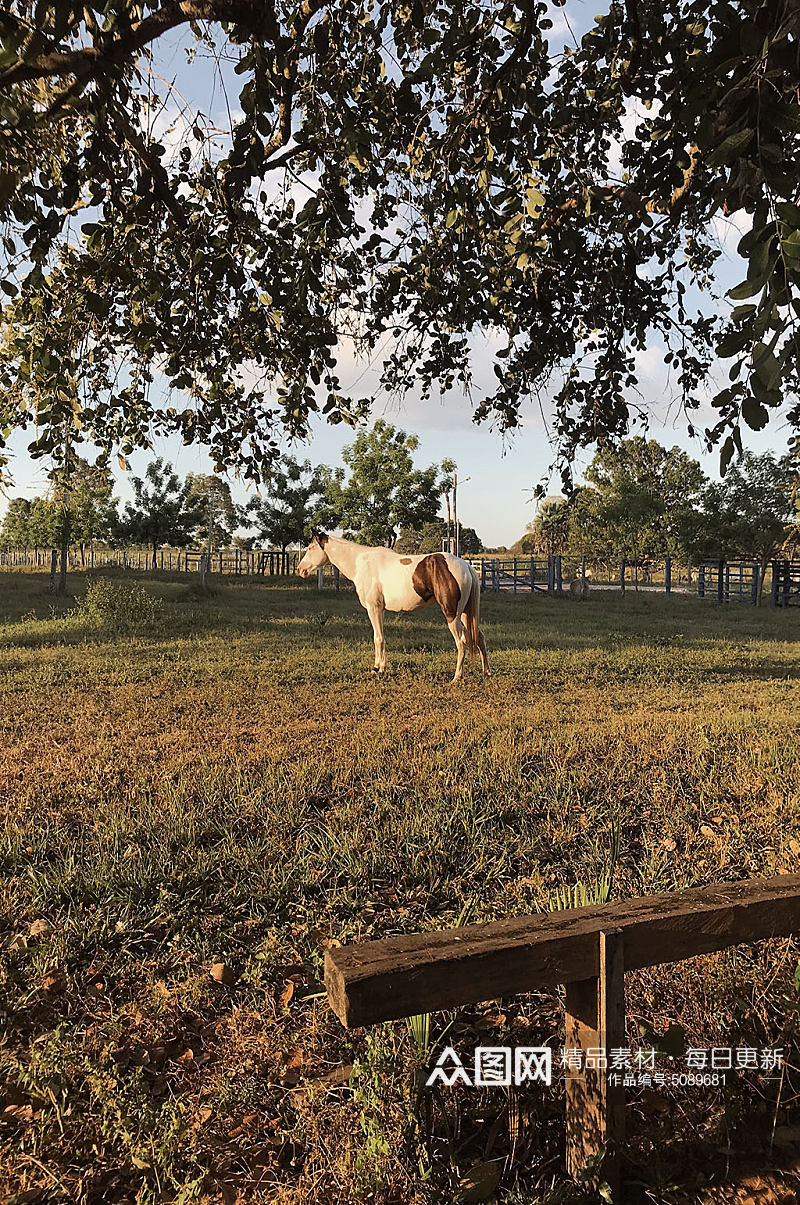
x: 333, y: 1079
x: 40, y: 928
x: 480, y: 1183
x: 295, y: 1057
x: 19, y: 1113
x: 222, y: 973
x: 651, y: 1102
x: 669, y: 843
x: 55, y: 981
x: 707, y: 830
x: 287, y: 993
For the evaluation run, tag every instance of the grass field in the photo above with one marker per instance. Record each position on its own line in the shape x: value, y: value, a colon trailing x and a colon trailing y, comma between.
x: 229, y: 784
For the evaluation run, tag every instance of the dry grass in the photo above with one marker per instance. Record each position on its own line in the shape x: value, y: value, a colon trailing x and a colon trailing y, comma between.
x: 229, y: 784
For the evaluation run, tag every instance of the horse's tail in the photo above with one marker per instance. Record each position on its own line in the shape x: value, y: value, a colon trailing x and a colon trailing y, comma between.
x: 472, y: 612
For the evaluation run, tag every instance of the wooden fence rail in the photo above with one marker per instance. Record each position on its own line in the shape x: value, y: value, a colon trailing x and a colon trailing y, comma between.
x: 587, y: 949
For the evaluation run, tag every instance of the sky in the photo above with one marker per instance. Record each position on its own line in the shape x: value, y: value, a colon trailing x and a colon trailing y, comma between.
x: 498, y: 473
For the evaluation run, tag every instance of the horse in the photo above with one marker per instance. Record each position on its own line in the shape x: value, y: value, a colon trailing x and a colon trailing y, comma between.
x: 389, y: 581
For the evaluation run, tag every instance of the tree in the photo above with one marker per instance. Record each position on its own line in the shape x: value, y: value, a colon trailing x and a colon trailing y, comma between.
x: 549, y: 532
x: 162, y: 511
x: 384, y: 494
x: 432, y: 536
x: 294, y: 494
x: 15, y: 530
x: 647, y: 496
x: 220, y: 516
x: 93, y: 509
x: 448, y: 474
x: 488, y: 163
x: 750, y: 514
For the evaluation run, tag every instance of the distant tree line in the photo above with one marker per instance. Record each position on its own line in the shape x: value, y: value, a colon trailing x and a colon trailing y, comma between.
x: 378, y: 497
x: 641, y: 500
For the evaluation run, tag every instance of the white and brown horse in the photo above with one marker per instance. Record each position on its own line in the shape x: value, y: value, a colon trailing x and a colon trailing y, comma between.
x: 389, y: 581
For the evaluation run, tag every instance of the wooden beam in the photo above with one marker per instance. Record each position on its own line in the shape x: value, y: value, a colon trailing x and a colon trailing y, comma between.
x: 595, y: 1021
x: 402, y: 976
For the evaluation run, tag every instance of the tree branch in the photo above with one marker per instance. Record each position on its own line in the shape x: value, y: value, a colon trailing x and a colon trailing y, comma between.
x: 632, y: 200
x: 161, y: 185
x: 290, y: 66
x: 90, y: 60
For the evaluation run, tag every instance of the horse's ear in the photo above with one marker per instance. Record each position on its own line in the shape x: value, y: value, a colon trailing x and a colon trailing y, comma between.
x: 321, y: 538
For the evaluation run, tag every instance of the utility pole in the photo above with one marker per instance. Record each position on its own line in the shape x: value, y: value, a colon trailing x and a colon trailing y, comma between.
x: 457, y: 540
x: 456, y: 528
x: 447, y: 502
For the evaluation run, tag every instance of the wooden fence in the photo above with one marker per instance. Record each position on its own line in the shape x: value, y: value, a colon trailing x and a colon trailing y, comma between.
x: 785, y: 583
x: 730, y: 581
x: 588, y: 950
x: 724, y: 581
x: 268, y: 562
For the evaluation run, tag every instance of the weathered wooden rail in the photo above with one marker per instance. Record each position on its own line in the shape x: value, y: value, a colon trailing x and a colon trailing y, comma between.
x: 588, y: 950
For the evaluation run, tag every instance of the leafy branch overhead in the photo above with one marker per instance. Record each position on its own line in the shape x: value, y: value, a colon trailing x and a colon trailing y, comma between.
x: 458, y: 171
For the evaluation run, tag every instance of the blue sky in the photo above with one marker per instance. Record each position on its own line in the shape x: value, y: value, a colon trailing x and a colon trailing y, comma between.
x: 503, y: 471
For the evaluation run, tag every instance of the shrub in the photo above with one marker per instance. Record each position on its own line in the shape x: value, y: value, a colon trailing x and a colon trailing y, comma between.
x: 120, y: 606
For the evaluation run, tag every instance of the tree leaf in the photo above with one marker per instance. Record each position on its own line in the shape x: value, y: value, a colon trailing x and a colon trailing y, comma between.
x: 730, y: 148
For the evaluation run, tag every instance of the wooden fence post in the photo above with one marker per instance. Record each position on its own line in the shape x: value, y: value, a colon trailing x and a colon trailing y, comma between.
x: 622, y: 575
x: 754, y: 585
x: 559, y: 578
x: 583, y: 575
x: 551, y: 575
x: 336, y: 577
x: 668, y: 575
x: 533, y: 575
x: 720, y: 581
x: 595, y: 1022
x: 515, y: 575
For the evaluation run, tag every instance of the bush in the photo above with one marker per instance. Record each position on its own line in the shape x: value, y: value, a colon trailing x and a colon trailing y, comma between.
x: 120, y: 606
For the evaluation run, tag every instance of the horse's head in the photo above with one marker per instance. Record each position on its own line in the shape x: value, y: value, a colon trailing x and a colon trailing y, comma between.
x: 315, y: 555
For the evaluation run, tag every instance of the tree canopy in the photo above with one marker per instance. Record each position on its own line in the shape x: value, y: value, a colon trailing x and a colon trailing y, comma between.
x: 220, y: 516
x: 294, y: 495
x: 384, y: 494
x: 750, y: 513
x: 432, y: 536
x: 162, y: 511
x: 642, y: 501
x: 462, y: 172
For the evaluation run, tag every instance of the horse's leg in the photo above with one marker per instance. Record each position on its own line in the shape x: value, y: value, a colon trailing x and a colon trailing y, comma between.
x: 376, y: 616
x: 460, y: 636
x: 482, y: 651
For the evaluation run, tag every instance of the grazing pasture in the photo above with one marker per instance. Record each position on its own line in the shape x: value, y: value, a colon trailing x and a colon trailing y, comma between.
x: 200, y: 793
